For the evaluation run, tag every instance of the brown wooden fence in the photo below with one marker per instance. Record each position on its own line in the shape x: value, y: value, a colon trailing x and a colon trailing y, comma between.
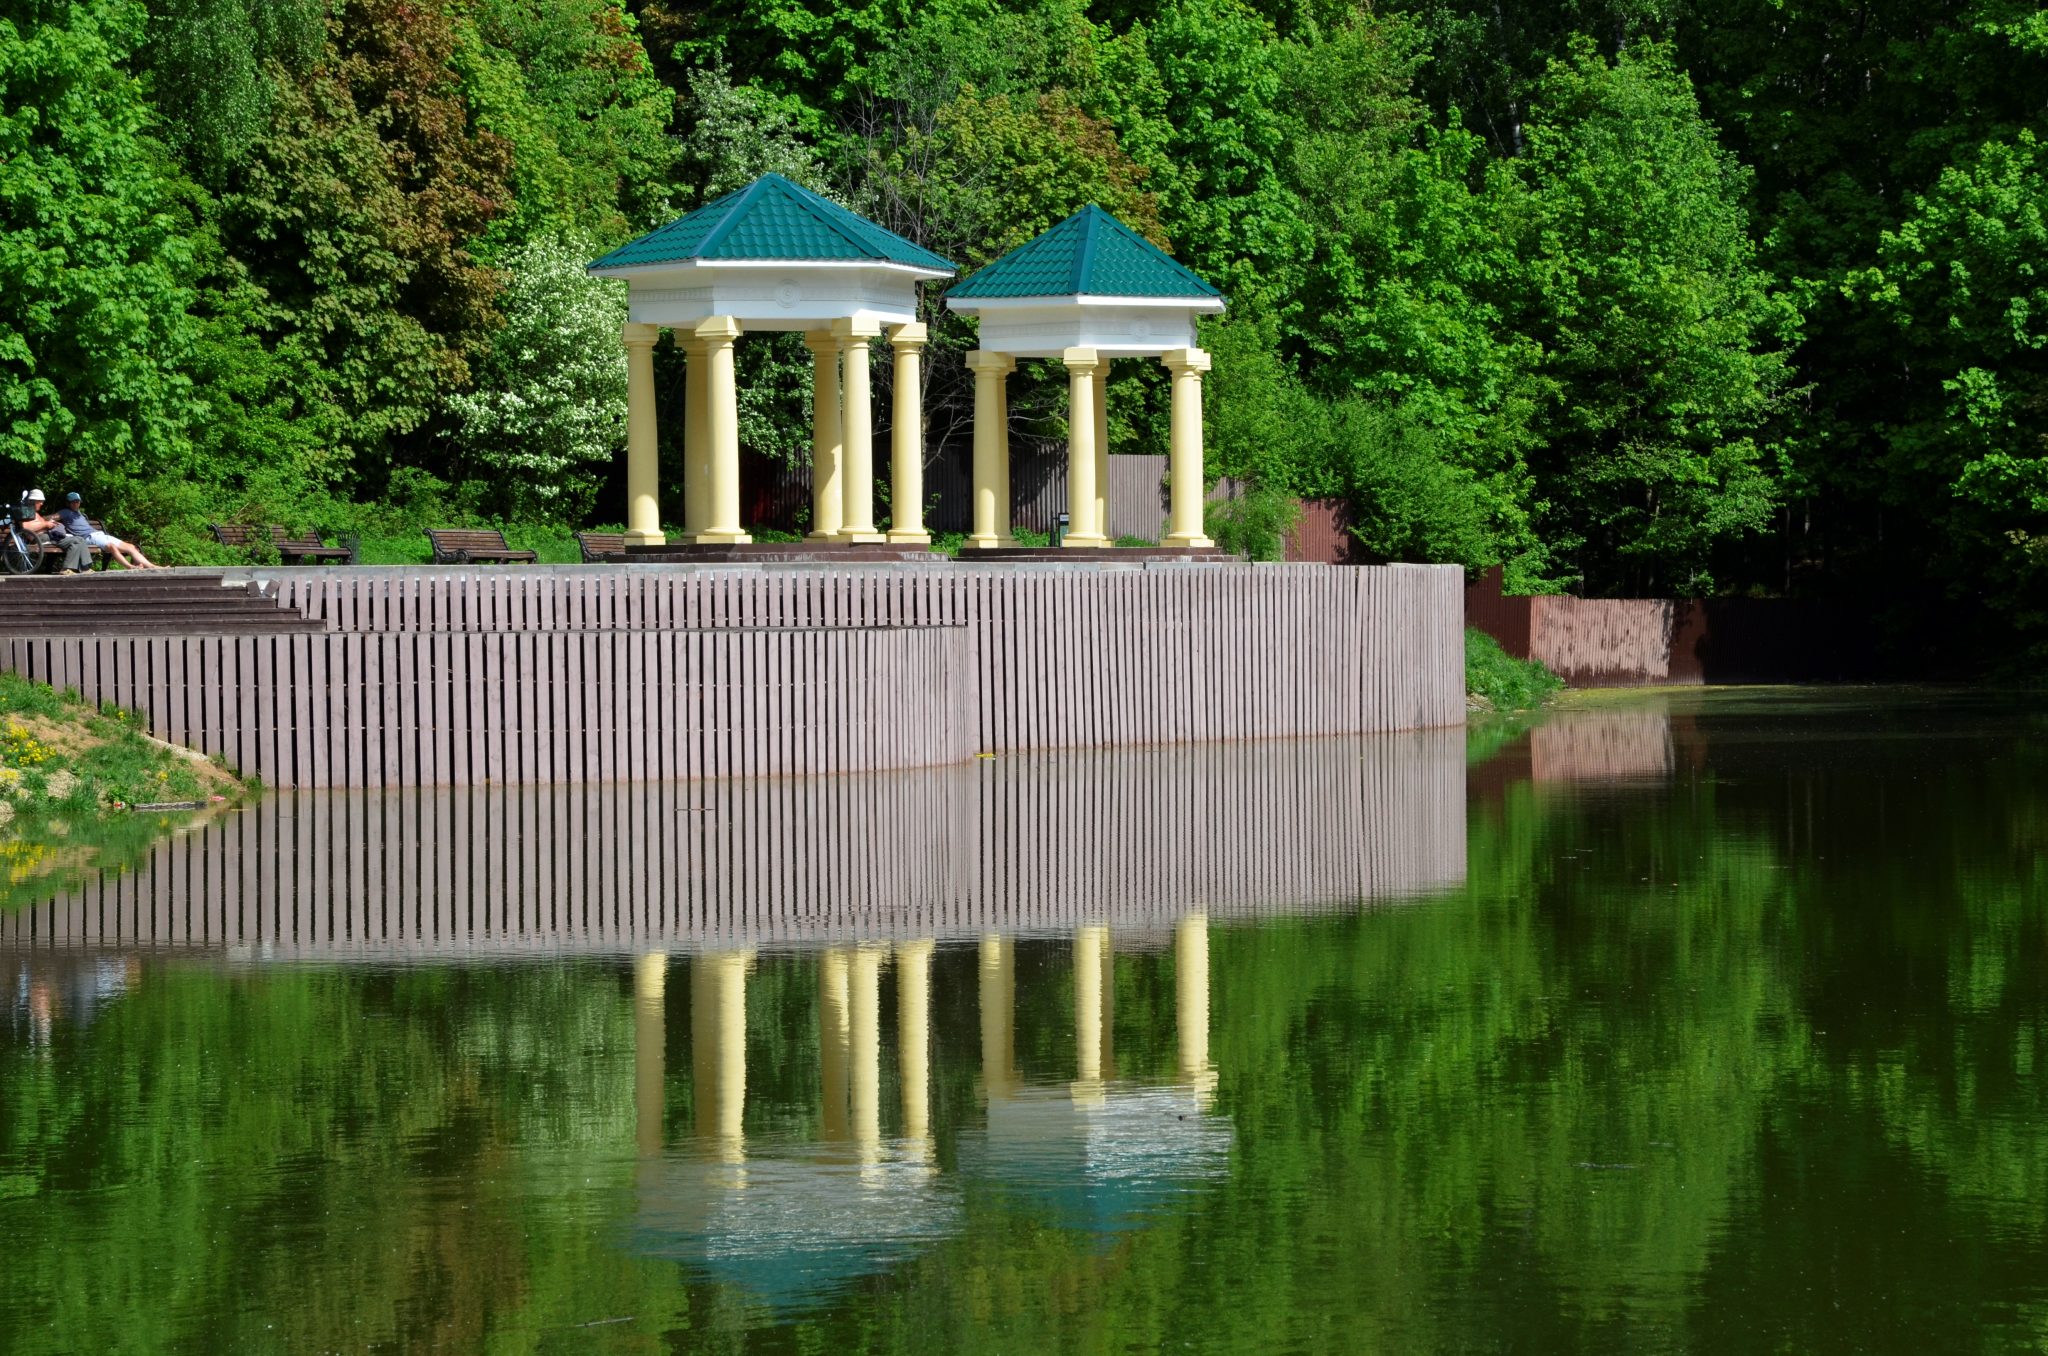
x: 1038, y: 843
x: 464, y: 676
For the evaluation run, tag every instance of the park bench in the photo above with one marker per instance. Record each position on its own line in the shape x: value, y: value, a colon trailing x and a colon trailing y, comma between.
x: 602, y: 548
x: 473, y: 546
x: 304, y: 549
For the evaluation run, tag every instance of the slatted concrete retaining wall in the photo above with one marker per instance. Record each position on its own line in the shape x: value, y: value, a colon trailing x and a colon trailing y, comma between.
x: 1034, y: 844
x: 523, y: 707
x: 577, y: 673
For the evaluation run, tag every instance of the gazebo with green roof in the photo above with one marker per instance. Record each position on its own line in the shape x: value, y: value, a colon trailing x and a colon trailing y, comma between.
x: 774, y: 256
x: 1087, y: 291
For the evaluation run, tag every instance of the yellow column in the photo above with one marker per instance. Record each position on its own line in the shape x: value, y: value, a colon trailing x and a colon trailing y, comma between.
x: 913, y: 1040
x: 650, y: 1049
x: 718, y: 1049
x: 643, y: 473
x: 834, y: 1039
x: 857, y: 465
x: 1102, y: 450
x: 991, y: 449
x: 1184, y: 449
x: 864, y: 1012
x: 906, y: 440
x: 696, y: 436
x: 998, y: 1015
x: 722, y: 429
x: 1082, y: 529
x: 1191, y: 1000
x: 828, y: 436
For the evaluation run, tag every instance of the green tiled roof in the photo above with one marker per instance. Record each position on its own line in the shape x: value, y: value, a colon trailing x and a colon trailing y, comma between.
x: 1090, y: 252
x: 772, y: 218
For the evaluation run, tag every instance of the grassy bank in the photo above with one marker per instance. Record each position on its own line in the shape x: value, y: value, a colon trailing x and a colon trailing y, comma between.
x: 83, y: 790
x: 1496, y: 681
x: 59, y: 756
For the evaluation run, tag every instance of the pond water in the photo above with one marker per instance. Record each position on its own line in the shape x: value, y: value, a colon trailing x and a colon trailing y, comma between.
x: 1703, y: 1021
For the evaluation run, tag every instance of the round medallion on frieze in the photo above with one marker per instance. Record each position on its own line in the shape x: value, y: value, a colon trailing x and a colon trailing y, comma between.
x: 787, y: 293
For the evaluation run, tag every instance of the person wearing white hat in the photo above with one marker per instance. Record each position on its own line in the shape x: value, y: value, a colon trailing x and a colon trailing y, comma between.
x: 77, y: 550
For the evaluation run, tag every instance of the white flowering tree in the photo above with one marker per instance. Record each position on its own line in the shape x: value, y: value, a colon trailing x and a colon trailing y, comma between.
x: 547, y: 411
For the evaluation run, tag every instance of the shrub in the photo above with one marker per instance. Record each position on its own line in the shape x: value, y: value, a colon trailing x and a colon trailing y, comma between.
x: 1502, y: 681
x: 1256, y: 523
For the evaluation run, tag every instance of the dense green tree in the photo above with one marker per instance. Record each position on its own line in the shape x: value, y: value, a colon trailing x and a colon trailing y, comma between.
x: 96, y: 326
x: 210, y: 59
x: 568, y: 85
x: 1961, y: 279
x: 357, y: 214
x: 1663, y: 336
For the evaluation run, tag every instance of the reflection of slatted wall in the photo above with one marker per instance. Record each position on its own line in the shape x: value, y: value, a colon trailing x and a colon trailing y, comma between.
x: 463, y: 676
x: 1036, y: 843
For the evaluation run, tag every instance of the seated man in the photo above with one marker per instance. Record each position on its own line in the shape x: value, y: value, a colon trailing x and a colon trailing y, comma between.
x: 77, y: 551
x: 72, y: 515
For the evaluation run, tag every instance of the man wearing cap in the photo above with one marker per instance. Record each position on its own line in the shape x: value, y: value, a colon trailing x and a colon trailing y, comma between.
x: 77, y: 550
x: 72, y: 515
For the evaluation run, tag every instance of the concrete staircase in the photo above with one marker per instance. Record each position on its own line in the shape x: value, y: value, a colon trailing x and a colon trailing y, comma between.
x: 143, y: 603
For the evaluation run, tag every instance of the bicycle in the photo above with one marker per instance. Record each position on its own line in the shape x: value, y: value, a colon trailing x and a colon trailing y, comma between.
x: 21, y: 549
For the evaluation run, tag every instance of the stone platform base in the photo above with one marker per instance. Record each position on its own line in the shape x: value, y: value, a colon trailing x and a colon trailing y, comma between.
x: 781, y: 553
x: 1096, y: 553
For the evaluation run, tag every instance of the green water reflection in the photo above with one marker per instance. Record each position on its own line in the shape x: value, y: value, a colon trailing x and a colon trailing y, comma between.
x: 1728, y: 1042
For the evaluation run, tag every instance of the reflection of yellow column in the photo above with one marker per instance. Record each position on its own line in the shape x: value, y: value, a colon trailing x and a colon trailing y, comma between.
x: 1184, y: 448
x: 906, y: 463
x: 722, y: 427
x: 998, y: 1013
x: 718, y: 1049
x: 650, y: 1038
x: 1082, y: 529
x: 1102, y: 449
x: 991, y: 449
x: 1191, y: 999
x: 864, y: 1012
x: 1108, y: 962
x: 913, y: 1039
x: 832, y: 1040
x: 1089, y: 945
x: 828, y: 436
x: 857, y: 462
x: 643, y: 488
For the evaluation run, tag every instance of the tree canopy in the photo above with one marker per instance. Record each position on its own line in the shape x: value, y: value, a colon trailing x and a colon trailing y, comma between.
x: 1624, y: 296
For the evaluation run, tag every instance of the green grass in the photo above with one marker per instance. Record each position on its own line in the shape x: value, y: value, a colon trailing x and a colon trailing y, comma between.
x: 1503, y: 682
x: 554, y: 546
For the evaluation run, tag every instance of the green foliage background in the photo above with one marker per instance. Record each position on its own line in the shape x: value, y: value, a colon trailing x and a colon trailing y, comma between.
x: 1626, y: 297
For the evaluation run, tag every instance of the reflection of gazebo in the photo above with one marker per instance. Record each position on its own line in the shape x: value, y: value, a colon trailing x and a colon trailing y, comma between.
x: 774, y: 256
x: 791, y: 1227
x: 1088, y: 291
x: 790, y: 1221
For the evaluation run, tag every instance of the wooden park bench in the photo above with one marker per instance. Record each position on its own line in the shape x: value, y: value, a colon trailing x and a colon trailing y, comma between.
x: 473, y: 546
x: 304, y: 549
x: 602, y: 548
